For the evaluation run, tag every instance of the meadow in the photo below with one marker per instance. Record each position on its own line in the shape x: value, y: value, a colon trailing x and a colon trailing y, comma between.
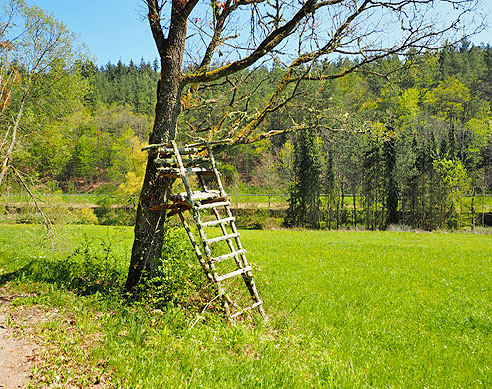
x: 346, y: 309
x: 253, y: 211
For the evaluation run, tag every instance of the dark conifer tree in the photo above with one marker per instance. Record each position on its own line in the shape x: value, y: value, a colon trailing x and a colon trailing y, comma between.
x: 391, y: 190
x: 304, y: 201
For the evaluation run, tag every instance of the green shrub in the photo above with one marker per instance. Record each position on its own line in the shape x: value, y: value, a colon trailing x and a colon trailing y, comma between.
x: 179, y: 278
x: 256, y: 220
x: 109, y: 213
x: 92, y: 267
x: 86, y: 216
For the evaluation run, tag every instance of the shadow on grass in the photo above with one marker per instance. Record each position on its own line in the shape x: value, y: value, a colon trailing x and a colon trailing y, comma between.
x: 17, y: 274
x: 80, y: 276
x: 95, y: 267
x: 86, y: 271
x: 178, y: 283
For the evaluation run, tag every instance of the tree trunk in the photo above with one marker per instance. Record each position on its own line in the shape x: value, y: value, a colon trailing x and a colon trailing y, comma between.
x: 375, y: 210
x: 342, y: 201
x: 473, y: 210
x: 354, y: 189
x: 330, y: 202
x: 420, y: 206
x: 441, y: 209
x: 483, y: 207
x: 6, y: 160
x: 403, y: 210
x: 390, y: 184
x: 148, y: 241
x: 413, y: 205
x: 338, y: 208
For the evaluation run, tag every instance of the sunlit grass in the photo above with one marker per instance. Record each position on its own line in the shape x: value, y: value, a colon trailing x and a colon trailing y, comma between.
x: 347, y: 309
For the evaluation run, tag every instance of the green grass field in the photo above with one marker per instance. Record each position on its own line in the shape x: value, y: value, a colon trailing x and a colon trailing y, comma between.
x: 67, y: 199
x: 243, y: 198
x: 347, y: 309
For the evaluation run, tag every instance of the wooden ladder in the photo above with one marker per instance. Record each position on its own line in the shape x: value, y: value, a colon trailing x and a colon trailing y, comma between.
x: 198, y: 159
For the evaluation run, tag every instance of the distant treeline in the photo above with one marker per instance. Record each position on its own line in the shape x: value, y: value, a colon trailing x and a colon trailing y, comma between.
x: 409, y: 139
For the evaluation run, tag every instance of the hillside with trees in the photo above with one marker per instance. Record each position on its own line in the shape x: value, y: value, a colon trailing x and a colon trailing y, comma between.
x: 400, y: 140
x: 413, y: 147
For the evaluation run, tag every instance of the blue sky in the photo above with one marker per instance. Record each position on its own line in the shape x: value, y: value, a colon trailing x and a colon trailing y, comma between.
x: 117, y: 29
x: 111, y: 29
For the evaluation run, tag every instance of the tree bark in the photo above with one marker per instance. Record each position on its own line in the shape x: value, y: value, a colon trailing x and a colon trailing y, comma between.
x: 148, y: 241
x: 473, y: 209
x: 6, y: 159
x: 342, y: 201
x: 330, y: 202
x: 354, y: 197
x: 483, y: 206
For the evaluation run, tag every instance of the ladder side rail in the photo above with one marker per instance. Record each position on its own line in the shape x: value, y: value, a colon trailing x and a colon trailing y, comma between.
x: 247, y: 277
x: 208, y: 252
x: 239, y: 264
x: 195, y: 246
x: 216, y: 172
x: 242, y: 263
x: 216, y: 213
x: 182, y: 171
x: 196, y: 216
x: 235, y: 231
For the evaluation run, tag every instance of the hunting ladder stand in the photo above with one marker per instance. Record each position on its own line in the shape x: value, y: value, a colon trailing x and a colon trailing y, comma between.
x: 197, y: 159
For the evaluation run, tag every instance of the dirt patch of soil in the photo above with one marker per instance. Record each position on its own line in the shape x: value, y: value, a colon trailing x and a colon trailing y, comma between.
x: 17, y: 353
x: 43, y: 347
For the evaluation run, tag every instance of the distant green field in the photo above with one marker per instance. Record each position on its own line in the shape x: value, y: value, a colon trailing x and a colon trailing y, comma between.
x: 241, y: 198
x: 347, y: 309
x: 59, y: 198
x: 259, y: 198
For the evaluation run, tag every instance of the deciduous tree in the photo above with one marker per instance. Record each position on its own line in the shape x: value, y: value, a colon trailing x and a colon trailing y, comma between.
x: 36, y: 53
x: 220, y: 39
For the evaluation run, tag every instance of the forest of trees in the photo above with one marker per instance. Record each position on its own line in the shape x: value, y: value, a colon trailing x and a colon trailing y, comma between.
x: 407, y: 141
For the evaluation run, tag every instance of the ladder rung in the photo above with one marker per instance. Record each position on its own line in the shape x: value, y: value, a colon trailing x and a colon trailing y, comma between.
x: 183, y: 151
x: 214, y: 205
x: 171, y: 162
x: 204, y: 195
x: 194, y: 159
x: 218, y: 221
x: 165, y: 162
x: 168, y: 170
x: 228, y: 255
x: 169, y: 174
x: 196, y: 196
x: 255, y: 305
x: 234, y: 273
x: 223, y: 237
x: 198, y: 170
x: 174, y: 170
